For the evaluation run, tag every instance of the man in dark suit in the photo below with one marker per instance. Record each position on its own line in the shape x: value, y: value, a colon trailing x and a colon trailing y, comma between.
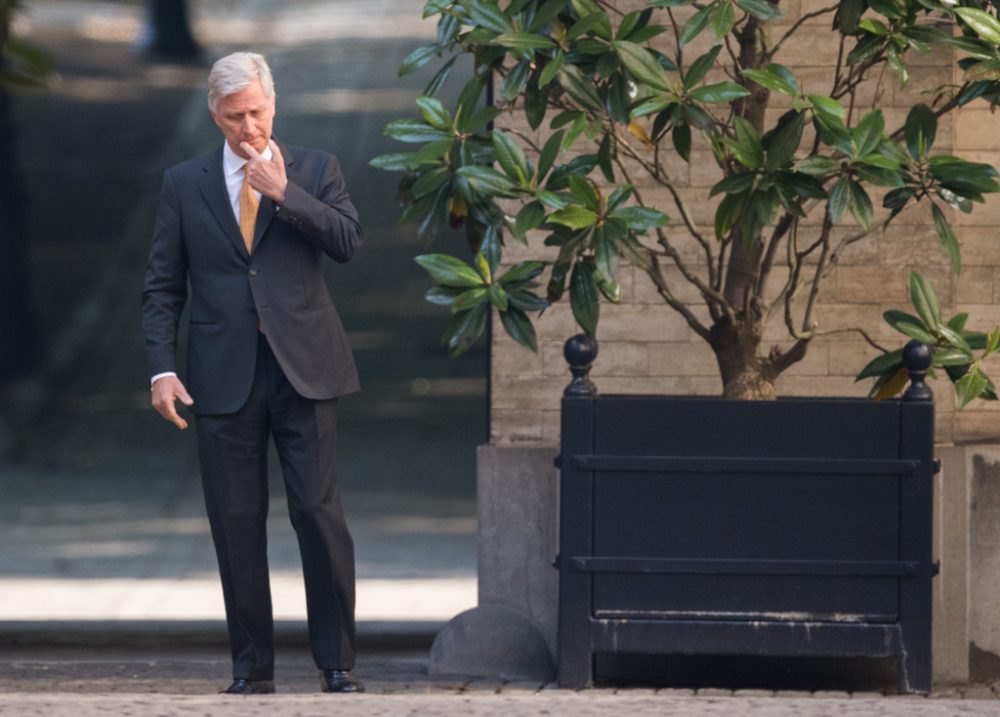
x: 247, y: 227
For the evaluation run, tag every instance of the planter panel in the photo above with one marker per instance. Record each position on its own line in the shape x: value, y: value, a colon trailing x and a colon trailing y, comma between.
x: 792, y: 527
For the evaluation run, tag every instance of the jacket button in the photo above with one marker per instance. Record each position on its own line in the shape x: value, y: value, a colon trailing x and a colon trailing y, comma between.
x: 253, y: 272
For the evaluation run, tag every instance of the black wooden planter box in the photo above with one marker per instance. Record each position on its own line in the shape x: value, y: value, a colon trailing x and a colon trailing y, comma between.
x: 796, y: 527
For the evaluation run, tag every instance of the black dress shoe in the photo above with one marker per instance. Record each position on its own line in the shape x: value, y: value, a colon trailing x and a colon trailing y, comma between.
x: 339, y: 681
x: 243, y: 686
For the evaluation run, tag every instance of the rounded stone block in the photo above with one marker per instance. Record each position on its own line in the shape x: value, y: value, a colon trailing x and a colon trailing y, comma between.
x: 492, y: 641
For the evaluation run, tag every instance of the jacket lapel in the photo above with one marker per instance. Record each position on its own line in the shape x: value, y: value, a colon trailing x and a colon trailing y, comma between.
x: 213, y: 188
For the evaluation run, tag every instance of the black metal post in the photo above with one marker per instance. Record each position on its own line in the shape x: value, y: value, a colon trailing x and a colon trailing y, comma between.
x: 168, y: 33
x: 576, y: 661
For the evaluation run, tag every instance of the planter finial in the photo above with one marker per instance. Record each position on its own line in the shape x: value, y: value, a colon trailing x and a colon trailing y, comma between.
x: 917, y: 357
x: 580, y: 352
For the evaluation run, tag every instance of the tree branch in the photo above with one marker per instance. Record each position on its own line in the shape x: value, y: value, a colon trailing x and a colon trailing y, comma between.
x: 769, y: 55
x: 663, y: 290
x: 664, y: 180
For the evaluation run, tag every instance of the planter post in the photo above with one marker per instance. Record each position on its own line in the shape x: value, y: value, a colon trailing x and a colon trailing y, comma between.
x: 916, y: 519
x: 576, y: 498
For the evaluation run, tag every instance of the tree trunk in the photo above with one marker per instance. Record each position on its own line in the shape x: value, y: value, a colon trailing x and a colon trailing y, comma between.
x: 745, y: 375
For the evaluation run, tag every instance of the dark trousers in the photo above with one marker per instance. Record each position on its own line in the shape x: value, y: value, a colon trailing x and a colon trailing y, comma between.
x: 232, y: 450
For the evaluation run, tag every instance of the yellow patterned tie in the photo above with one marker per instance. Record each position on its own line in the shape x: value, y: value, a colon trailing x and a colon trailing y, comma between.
x: 248, y: 211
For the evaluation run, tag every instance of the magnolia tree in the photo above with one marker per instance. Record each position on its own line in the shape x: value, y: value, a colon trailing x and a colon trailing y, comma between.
x: 612, y: 95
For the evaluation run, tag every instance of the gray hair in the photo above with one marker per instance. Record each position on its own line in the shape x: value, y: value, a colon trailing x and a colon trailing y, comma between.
x: 234, y: 73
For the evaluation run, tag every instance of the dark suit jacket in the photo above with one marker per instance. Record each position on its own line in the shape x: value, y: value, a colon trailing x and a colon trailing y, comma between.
x: 197, y: 239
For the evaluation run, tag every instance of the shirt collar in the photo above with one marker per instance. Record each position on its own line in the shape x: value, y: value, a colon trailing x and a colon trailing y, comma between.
x: 233, y: 163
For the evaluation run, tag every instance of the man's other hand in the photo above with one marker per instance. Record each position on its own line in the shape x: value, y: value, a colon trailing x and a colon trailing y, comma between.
x: 166, y: 391
x: 267, y: 176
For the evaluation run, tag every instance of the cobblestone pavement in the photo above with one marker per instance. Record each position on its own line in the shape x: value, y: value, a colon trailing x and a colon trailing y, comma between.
x: 83, y: 681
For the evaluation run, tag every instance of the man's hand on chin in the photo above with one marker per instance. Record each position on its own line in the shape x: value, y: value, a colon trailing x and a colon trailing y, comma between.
x: 166, y: 392
x: 267, y: 176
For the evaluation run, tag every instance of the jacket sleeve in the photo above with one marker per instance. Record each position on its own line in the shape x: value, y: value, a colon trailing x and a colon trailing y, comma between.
x: 328, y: 220
x: 165, y: 289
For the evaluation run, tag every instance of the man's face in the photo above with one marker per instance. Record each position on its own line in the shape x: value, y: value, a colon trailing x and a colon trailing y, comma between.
x: 245, y: 116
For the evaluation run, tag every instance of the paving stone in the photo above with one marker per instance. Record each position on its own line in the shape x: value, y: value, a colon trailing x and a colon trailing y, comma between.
x: 523, y: 687
x: 484, y: 686
x: 753, y: 693
x: 675, y: 692
x: 978, y: 692
x: 714, y: 692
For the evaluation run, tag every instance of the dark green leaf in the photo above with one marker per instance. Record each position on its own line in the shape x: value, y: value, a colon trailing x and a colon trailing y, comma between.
x: 465, y: 328
x: 925, y: 301
x: 760, y: 9
x: 546, y: 14
x: 529, y: 217
x: 523, y: 271
x: 746, y: 147
x: 583, y: 298
x: 579, y: 88
x: 604, y: 158
x: 574, y: 217
x: 971, y: 386
x: 848, y: 14
x: 478, y: 120
x: 734, y: 184
x: 868, y: 134
x: 641, y: 219
x: 510, y: 157
x: 861, y: 205
x: 775, y: 77
x: 523, y: 41
x: 695, y: 25
x: 468, y: 299
x: 407, y: 130
x: 782, y: 142
x: 983, y: 23
x: 951, y: 357
x: 527, y: 301
x: 498, y: 297
x: 897, y: 199
x: 840, y: 199
x: 549, y: 153
x: 417, y: 59
x: 719, y: 92
x: 519, y: 327
x: 430, y: 181
x: 551, y: 69
x: 948, y: 240
x: 448, y: 271
x: 642, y: 65
x: 488, y: 181
x: 486, y: 14
x: 595, y: 22
x: 440, y: 77
x: 722, y: 18
x: 515, y: 81
x: 887, y: 363
x: 395, y: 162
x: 434, y: 113
x: 700, y: 67
x: 817, y: 165
x: 443, y: 295
x: 920, y: 130
x: 681, y: 136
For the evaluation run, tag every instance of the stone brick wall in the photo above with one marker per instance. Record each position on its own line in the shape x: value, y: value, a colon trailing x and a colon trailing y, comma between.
x: 645, y: 347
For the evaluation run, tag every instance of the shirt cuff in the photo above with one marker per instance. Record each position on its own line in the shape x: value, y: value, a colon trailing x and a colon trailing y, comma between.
x: 158, y: 376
